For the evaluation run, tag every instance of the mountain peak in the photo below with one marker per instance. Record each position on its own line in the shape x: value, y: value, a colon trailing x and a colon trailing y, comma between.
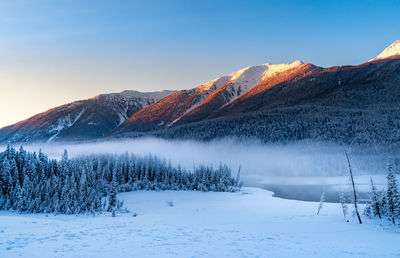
x: 392, y: 50
x: 130, y: 94
x: 250, y: 75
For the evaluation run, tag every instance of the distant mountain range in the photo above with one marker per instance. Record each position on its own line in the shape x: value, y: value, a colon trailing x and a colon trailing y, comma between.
x: 272, y: 102
x: 81, y: 120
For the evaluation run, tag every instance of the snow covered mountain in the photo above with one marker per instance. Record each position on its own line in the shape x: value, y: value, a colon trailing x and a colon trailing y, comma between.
x: 390, y: 51
x: 198, y: 103
x: 347, y: 104
x: 275, y: 103
x: 272, y: 102
x: 81, y: 120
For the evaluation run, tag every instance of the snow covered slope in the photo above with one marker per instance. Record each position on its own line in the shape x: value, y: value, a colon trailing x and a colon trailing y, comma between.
x: 199, y: 102
x: 263, y: 87
x: 343, y: 104
x: 390, y: 51
x: 252, y: 102
x: 243, y: 80
x: 250, y: 223
x: 81, y: 120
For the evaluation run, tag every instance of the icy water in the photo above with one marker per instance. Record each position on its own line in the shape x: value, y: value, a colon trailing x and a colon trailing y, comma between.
x: 309, y: 192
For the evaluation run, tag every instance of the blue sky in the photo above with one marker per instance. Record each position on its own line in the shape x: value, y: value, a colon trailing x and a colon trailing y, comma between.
x: 52, y: 52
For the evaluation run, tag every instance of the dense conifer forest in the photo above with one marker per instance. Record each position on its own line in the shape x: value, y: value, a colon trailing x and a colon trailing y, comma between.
x: 34, y: 183
x: 286, y: 125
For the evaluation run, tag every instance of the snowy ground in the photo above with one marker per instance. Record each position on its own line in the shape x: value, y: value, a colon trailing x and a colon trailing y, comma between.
x: 250, y: 223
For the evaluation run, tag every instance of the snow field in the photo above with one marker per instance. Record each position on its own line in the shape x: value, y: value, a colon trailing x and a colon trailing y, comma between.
x: 249, y: 223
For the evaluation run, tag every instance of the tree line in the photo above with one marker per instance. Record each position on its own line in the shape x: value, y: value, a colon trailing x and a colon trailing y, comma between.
x: 33, y: 183
x: 286, y: 125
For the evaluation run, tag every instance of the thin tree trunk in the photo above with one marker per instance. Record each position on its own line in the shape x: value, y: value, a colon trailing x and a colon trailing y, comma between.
x: 354, y: 188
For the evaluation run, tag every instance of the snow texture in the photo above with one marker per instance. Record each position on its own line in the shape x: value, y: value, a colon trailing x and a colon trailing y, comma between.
x: 214, y: 84
x: 249, y: 223
x: 245, y: 79
x: 64, y: 123
x: 392, y: 50
x: 239, y: 82
x: 143, y: 97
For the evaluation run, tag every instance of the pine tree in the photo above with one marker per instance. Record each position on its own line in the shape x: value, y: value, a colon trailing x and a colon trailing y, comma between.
x: 5, y: 177
x: 375, y: 204
x: 392, y: 194
x: 25, y: 197
x: 112, y: 197
x: 64, y: 157
x: 238, y: 182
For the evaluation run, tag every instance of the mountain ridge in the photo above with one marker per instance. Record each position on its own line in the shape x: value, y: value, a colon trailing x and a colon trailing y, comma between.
x: 213, y: 94
x: 263, y: 91
x: 83, y: 120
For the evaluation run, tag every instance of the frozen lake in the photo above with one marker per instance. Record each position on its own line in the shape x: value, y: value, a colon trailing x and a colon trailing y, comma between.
x: 311, y: 188
x: 309, y: 192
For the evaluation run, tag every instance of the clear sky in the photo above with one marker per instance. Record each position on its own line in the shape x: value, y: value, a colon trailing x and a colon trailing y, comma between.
x: 54, y: 51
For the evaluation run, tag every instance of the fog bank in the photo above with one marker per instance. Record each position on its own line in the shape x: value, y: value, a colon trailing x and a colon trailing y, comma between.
x: 258, y: 161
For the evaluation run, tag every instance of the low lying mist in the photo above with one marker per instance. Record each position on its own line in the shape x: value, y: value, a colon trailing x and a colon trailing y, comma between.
x: 260, y: 163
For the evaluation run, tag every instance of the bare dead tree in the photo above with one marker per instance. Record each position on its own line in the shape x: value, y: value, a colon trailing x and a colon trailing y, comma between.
x: 321, y: 202
x: 354, y: 188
